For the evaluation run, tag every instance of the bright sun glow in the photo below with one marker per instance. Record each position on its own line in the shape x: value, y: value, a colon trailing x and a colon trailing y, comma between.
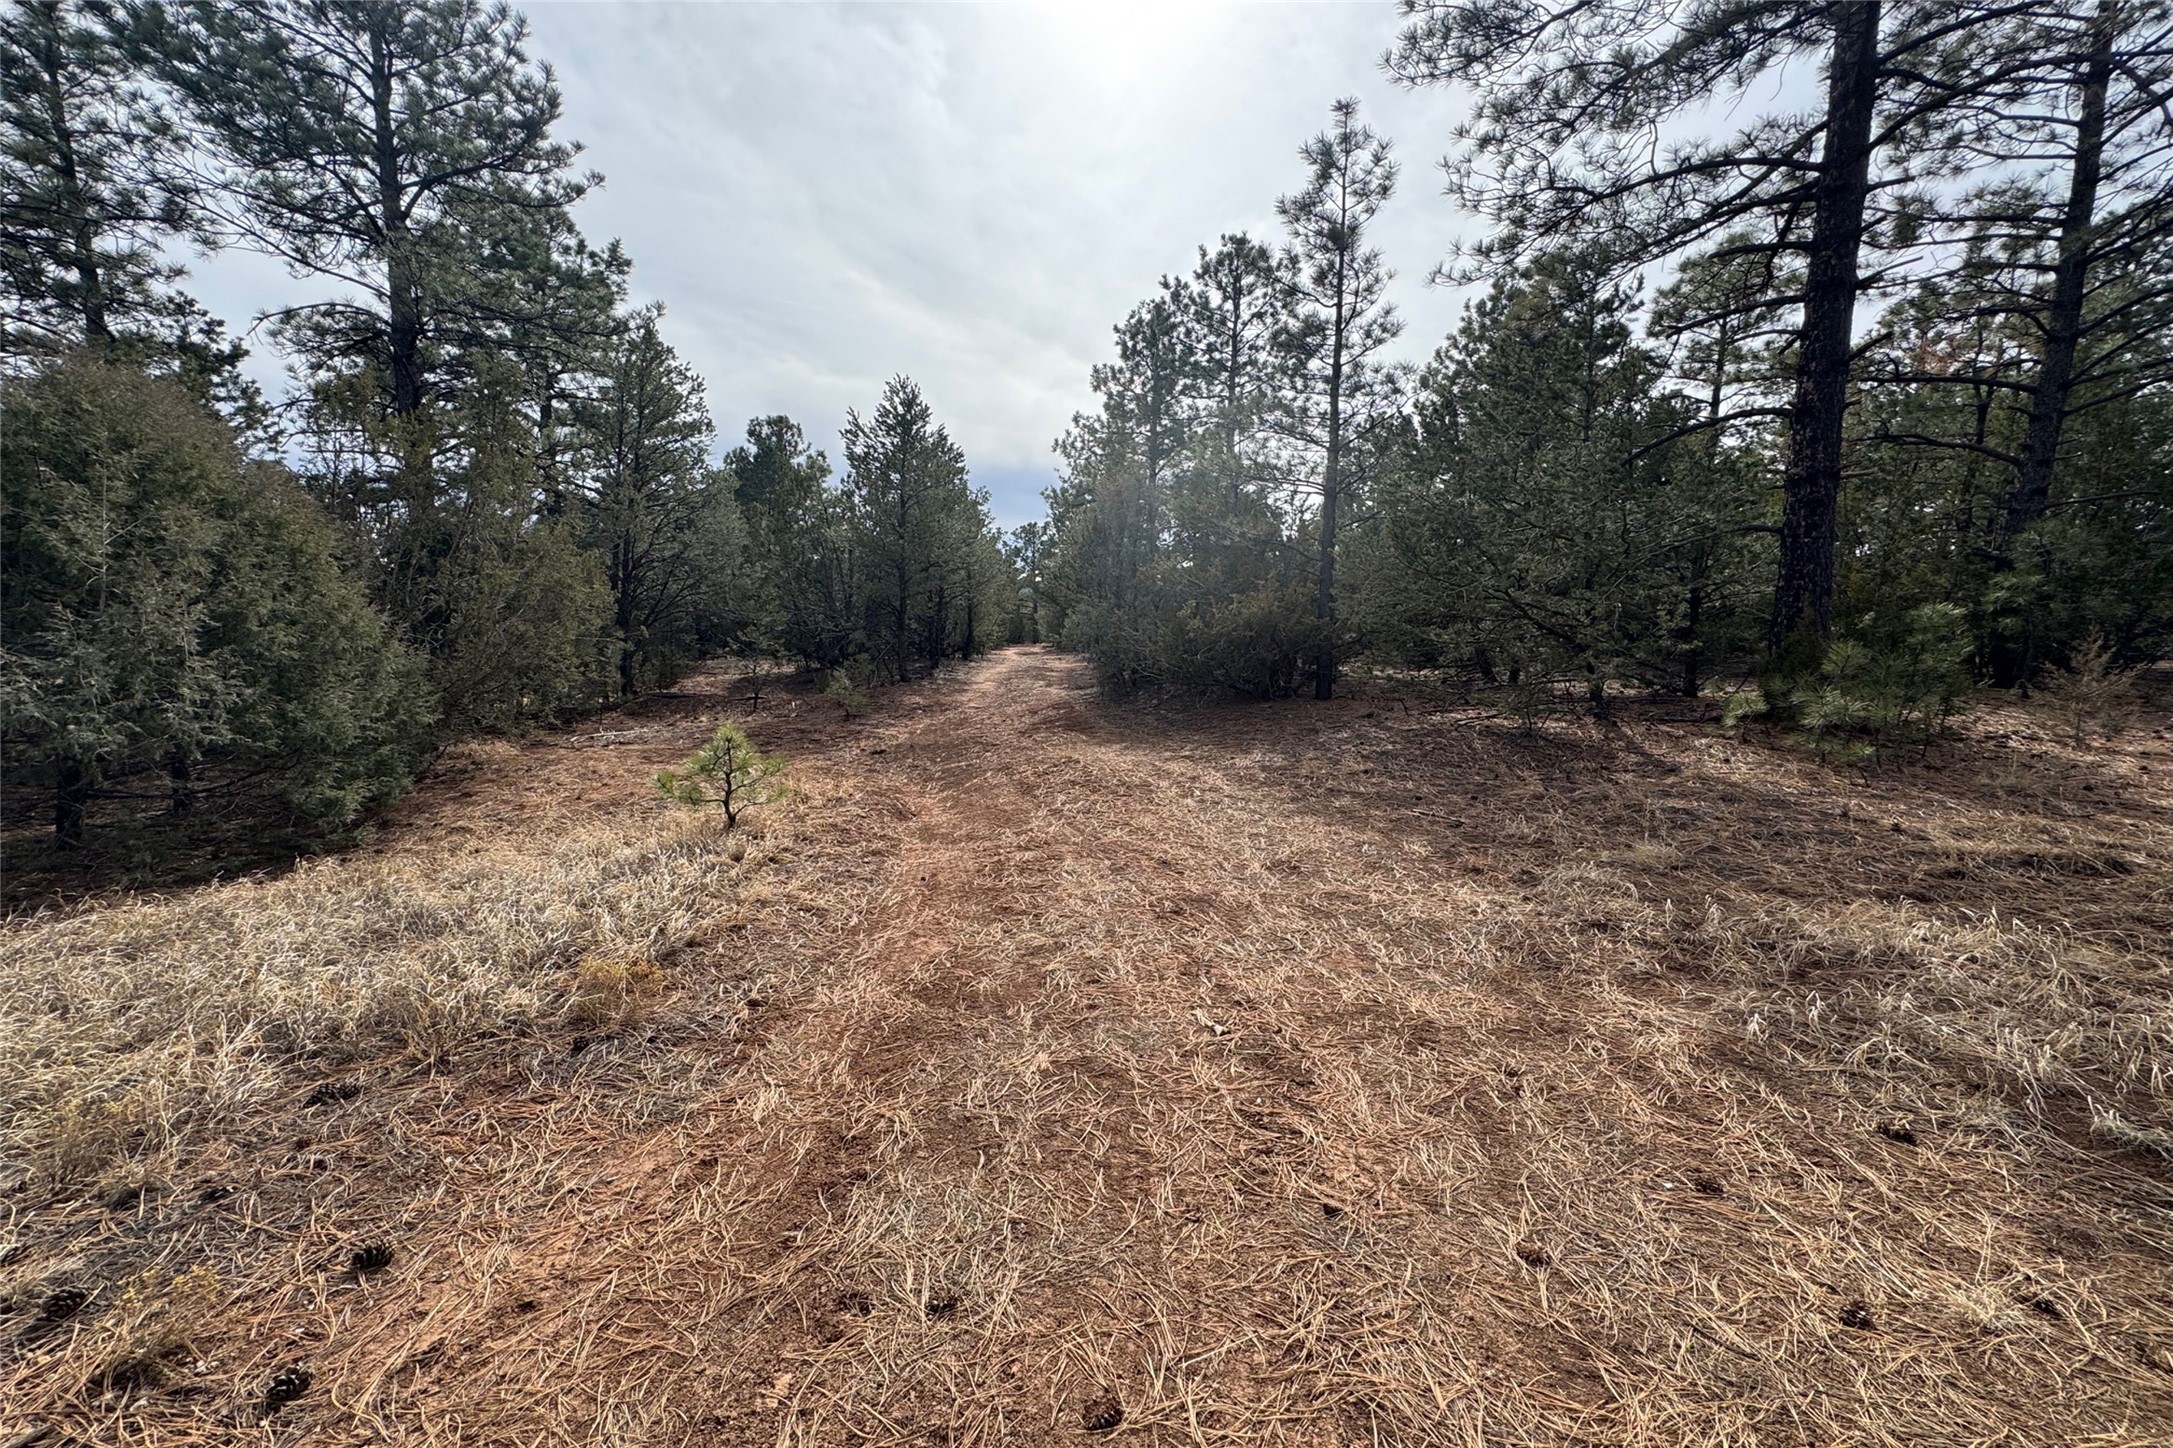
x: 1125, y: 39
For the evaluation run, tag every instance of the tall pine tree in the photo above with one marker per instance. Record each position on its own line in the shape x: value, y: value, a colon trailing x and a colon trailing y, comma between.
x: 1343, y: 321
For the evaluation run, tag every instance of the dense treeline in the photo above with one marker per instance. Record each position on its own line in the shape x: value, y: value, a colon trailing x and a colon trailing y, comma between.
x: 495, y: 497
x: 896, y: 566
x: 1901, y: 413
x: 1248, y: 415
x: 1895, y: 411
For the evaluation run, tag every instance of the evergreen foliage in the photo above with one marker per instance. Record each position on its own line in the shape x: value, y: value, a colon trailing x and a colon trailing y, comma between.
x: 387, y: 146
x: 661, y: 518
x: 933, y: 580
x: 1583, y: 489
x: 93, y: 198
x: 498, y: 500
x: 89, y: 185
x: 1342, y: 406
x: 177, y: 620
x: 1197, y: 528
x: 1874, y: 689
x: 728, y: 772
x: 1025, y: 548
x: 839, y: 687
x: 2030, y: 132
x: 1553, y: 515
x: 806, y: 587
x: 513, y: 463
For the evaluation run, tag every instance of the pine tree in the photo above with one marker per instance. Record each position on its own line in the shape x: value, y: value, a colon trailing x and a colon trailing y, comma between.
x: 2072, y: 240
x: 907, y: 488
x: 1239, y: 308
x: 1561, y: 151
x: 378, y: 144
x: 559, y: 305
x: 86, y: 181
x: 513, y: 610
x: 1944, y: 420
x: 1148, y: 391
x: 661, y: 518
x: 93, y: 198
x: 728, y: 772
x: 1556, y: 517
x: 1343, y: 321
x: 1027, y: 547
x: 801, y: 539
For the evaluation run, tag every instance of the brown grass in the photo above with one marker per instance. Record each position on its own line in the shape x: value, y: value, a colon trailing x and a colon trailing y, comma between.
x: 1315, y: 1074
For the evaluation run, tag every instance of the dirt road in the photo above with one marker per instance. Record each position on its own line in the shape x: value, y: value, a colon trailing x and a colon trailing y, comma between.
x: 1295, y: 1073
x: 1310, y: 1074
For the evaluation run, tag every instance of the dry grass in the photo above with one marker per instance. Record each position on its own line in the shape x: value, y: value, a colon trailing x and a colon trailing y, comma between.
x: 1298, y: 1073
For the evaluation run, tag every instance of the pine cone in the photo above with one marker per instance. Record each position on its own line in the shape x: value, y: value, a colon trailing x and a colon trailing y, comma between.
x: 371, y: 1257
x: 62, y: 1303
x: 1101, y: 1415
x: 284, y: 1386
x: 331, y: 1093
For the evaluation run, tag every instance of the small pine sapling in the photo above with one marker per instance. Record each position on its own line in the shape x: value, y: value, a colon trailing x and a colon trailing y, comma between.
x: 759, y: 648
x: 840, y: 689
x: 728, y: 772
x: 1899, y: 688
x: 2090, y: 695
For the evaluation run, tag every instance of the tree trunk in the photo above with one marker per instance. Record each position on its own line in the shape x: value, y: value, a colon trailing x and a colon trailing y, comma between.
x: 180, y: 785
x: 905, y: 576
x: 1811, y: 483
x: 1324, y: 662
x: 939, y: 624
x: 403, y: 286
x: 83, y: 235
x: 406, y: 332
x: 2070, y: 279
x: 550, y: 483
x: 1692, y: 682
x: 71, y: 800
x: 1692, y: 679
x: 624, y: 616
x: 1233, y: 384
x: 904, y: 663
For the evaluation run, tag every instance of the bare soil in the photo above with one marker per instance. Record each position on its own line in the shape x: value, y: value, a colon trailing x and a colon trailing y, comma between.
x: 1319, y: 1074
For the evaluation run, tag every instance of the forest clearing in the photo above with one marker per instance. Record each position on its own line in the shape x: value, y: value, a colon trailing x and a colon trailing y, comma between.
x: 1322, y: 1073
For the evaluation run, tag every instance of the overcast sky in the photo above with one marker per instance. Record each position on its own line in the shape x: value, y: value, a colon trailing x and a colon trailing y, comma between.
x: 972, y: 194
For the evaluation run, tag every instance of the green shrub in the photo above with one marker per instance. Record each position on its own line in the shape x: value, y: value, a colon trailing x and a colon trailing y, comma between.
x: 177, y: 613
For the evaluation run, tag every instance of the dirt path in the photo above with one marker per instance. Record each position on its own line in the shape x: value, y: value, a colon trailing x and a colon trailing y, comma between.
x: 1263, y: 1075
x: 1308, y: 1074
